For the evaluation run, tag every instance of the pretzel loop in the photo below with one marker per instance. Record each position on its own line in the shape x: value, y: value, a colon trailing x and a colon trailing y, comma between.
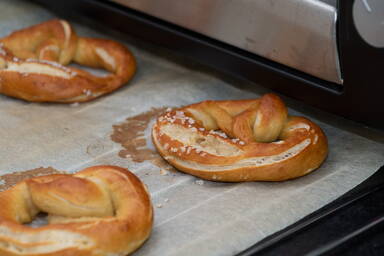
x: 32, y: 64
x: 102, y: 210
x: 243, y: 140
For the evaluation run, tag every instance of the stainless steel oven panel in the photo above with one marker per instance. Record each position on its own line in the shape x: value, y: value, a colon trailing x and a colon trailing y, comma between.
x: 298, y: 33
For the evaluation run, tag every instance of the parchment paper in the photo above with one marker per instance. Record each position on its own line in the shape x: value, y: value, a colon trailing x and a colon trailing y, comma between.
x: 192, y: 217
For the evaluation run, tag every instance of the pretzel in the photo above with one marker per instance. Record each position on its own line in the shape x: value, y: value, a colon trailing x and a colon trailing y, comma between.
x: 240, y: 140
x: 101, y: 210
x: 32, y: 64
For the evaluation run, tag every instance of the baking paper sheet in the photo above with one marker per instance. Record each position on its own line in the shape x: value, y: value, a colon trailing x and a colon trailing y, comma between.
x: 192, y: 217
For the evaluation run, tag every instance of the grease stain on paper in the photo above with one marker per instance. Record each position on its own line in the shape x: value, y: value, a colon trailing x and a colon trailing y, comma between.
x: 135, y: 136
x: 10, y: 179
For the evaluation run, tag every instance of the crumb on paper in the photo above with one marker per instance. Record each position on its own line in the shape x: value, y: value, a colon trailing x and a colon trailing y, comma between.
x: 159, y: 205
x: 75, y: 104
x: 166, y: 200
x: 163, y: 172
x: 199, y: 182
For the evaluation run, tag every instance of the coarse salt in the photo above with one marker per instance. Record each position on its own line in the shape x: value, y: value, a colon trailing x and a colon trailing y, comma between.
x: 87, y: 92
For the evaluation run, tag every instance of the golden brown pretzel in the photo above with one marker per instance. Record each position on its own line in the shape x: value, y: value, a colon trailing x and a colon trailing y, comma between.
x: 32, y: 64
x: 240, y: 140
x: 101, y: 210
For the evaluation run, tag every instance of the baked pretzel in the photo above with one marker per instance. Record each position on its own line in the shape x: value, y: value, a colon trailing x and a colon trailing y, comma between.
x: 32, y: 64
x: 240, y: 140
x: 101, y: 210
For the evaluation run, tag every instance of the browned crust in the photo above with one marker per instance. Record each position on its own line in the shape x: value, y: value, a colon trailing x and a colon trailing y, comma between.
x: 36, y: 43
x: 307, y: 160
x: 122, y: 233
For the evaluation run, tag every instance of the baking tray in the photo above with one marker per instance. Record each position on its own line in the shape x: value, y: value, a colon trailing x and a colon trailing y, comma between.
x: 192, y: 217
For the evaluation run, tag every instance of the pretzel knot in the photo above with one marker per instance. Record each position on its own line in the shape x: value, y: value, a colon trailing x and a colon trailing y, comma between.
x: 240, y: 140
x: 101, y: 210
x: 32, y: 64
